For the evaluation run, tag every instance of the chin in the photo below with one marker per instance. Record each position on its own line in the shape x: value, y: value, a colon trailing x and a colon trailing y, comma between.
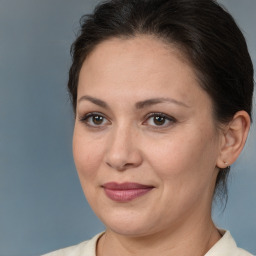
x: 129, y: 230
x: 128, y: 224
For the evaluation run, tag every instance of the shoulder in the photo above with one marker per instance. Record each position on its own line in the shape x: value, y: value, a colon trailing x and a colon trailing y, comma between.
x: 87, y: 248
x: 226, y: 246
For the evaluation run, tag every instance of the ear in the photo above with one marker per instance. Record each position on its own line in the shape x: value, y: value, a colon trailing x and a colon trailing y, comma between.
x: 233, y: 139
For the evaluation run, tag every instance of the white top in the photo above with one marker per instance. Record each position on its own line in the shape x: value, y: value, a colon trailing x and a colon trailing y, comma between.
x: 226, y: 246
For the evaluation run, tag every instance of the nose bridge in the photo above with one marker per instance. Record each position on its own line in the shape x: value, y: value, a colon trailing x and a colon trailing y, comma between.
x: 122, y: 137
x: 123, y: 151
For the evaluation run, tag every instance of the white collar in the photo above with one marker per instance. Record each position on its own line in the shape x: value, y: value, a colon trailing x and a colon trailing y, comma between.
x: 226, y: 246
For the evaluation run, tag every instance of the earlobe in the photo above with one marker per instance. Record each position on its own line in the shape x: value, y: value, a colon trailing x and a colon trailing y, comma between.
x: 233, y: 139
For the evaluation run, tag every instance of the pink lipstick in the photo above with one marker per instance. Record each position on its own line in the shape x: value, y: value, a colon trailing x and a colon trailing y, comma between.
x: 124, y: 192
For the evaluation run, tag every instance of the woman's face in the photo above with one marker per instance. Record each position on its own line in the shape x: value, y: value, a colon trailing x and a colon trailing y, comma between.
x: 145, y: 141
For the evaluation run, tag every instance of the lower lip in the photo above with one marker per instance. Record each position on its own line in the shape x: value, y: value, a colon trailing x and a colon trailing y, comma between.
x: 126, y: 195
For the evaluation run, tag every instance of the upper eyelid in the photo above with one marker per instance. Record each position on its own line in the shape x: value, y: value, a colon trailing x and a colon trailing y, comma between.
x: 152, y: 114
x: 89, y: 114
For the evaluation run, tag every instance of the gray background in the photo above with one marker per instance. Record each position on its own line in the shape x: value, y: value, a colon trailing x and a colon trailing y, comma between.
x: 42, y: 206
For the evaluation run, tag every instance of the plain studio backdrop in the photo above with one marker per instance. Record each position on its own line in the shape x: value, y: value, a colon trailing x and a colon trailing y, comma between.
x: 42, y: 206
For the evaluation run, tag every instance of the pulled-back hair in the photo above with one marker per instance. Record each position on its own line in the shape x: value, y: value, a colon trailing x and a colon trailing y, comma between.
x: 202, y: 30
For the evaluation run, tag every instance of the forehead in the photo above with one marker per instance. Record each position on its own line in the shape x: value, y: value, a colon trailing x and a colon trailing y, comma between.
x: 136, y: 47
x: 142, y: 66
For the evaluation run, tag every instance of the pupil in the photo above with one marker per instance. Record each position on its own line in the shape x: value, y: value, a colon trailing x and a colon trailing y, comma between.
x: 97, y: 119
x: 159, y: 120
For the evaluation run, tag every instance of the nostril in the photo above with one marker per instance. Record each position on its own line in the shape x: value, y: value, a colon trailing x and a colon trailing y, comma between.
x: 120, y: 167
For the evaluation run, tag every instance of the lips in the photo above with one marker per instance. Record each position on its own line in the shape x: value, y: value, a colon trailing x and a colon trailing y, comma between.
x: 124, y: 192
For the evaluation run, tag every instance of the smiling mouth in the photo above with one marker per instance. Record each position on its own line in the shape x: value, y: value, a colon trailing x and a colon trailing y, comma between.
x: 124, y: 192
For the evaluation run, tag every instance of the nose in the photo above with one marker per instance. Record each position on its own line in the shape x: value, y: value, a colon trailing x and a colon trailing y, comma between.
x: 123, y: 149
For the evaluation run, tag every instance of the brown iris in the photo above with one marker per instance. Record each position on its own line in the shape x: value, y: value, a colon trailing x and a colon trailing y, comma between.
x: 159, y: 120
x: 97, y: 119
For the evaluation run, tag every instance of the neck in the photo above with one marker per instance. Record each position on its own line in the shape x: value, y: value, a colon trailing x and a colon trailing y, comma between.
x: 187, y: 240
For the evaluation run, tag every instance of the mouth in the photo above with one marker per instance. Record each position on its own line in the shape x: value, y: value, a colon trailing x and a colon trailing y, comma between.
x: 124, y: 192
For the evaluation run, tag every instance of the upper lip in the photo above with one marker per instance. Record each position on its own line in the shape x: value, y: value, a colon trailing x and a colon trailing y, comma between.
x: 125, y: 186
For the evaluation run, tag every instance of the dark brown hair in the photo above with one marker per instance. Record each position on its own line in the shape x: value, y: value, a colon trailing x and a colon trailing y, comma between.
x: 202, y: 29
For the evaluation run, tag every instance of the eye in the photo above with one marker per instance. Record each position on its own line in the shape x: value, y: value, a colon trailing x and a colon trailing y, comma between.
x: 95, y: 120
x: 159, y: 120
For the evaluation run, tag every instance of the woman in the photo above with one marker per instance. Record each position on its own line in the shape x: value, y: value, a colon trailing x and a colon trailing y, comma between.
x: 162, y: 95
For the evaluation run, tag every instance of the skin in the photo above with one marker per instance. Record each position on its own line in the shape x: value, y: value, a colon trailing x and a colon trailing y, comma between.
x: 179, y: 158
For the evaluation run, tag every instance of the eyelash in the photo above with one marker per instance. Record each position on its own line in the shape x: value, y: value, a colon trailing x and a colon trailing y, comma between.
x: 169, y: 119
x: 85, y: 119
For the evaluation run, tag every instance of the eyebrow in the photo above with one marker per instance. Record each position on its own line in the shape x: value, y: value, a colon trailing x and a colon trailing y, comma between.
x: 138, y: 105
x: 96, y: 101
x: 150, y: 102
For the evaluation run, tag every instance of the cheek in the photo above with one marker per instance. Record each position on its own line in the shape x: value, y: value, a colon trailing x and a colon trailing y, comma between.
x: 87, y: 156
x: 183, y: 155
x: 185, y: 167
